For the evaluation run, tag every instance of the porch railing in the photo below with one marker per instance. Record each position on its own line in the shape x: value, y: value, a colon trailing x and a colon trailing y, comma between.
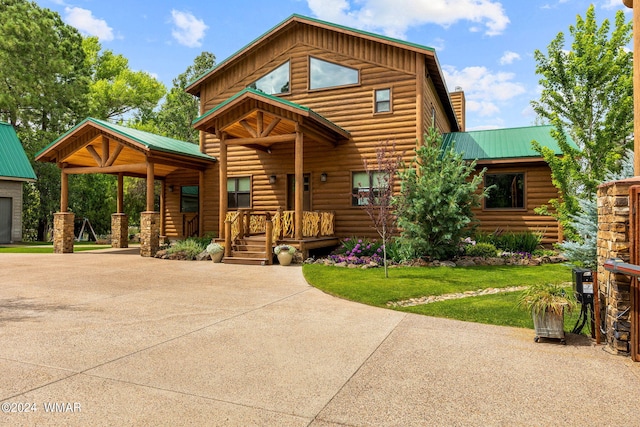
x: 244, y: 222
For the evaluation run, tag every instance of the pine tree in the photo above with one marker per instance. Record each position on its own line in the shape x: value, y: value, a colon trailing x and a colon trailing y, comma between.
x: 437, y: 195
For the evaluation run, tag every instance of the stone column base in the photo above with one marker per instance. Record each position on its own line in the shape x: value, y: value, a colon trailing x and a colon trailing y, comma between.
x: 63, y: 236
x: 119, y: 230
x: 149, y: 233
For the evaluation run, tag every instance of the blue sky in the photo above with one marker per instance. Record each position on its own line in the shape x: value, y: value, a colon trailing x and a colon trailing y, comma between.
x: 484, y: 46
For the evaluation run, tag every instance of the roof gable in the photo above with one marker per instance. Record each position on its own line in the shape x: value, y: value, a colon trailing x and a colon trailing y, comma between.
x: 292, y: 20
x: 14, y: 164
x: 511, y: 143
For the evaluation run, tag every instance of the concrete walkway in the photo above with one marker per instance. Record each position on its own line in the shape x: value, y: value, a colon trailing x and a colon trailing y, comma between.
x: 123, y: 340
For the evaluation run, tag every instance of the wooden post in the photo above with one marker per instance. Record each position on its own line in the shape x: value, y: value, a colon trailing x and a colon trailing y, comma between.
x: 201, y: 191
x: 64, y: 191
x: 240, y: 224
x: 268, y: 241
x: 120, y: 198
x: 223, y: 195
x: 227, y: 238
x: 150, y: 186
x: 299, y: 195
x: 163, y: 196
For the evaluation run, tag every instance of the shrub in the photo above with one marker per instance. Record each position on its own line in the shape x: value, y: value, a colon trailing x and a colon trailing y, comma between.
x: 191, y: 248
x: 484, y: 250
x: 509, y: 241
x: 359, y: 247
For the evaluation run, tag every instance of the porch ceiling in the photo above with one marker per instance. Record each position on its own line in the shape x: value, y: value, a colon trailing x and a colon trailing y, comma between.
x: 253, y: 118
x: 96, y: 146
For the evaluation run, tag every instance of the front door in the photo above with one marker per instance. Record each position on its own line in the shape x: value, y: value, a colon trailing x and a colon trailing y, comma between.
x: 291, y: 192
x: 6, y: 214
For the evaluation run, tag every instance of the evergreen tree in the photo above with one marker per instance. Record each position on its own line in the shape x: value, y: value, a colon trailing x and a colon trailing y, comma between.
x: 438, y: 191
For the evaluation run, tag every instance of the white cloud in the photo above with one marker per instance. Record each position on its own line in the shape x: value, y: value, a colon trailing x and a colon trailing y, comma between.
x: 393, y: 18
x: 484, y: 91
x: 508, y: 57
x: 188, y: 30
x: 86, y: 23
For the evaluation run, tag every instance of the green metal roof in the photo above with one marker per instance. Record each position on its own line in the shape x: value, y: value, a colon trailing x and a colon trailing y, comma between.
x: 14, y: 164
x: 149, y: 140
x: 317, y: 21
x: 502, y: 143
x: 273, y: 99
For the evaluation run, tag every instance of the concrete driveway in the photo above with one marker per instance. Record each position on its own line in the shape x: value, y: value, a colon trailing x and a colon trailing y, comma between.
x: 117, y: 339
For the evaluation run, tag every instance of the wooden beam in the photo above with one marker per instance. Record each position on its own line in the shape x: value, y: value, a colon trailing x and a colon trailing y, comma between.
x: 150, y: 185
x: 636, y: 88
x: 133, y: 167
x: 260, y: 123
x: 271, y: 126
x: 163, y: 216
x: 299, y: 194
x: 289, y: 137
x: 223, y: 196
x: 95, y: 155
x: 105, y: 150
x: 114, y: 156
x: 248, y: 128
x: 201, y: 191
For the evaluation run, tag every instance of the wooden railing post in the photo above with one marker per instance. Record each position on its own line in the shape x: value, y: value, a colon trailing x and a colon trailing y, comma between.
x: 247, y: 224
x: 227, y: 238
x: 240, y: 224
x: 280, y: 215
x: 268, y: 231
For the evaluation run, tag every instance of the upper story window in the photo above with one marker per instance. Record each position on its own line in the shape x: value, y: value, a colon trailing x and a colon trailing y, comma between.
x: 382, y: 101
x: 323, y: 74
x: 506, y: 192
x: 275, y: 82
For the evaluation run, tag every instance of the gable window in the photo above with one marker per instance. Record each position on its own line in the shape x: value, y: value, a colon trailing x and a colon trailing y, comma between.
x: 239, y: 192
x: 189, y: 198
x: 382, y: 101
x: 323, y: 74
x: 506, y: 192
x: 275, y: 82
x: 365, y: 185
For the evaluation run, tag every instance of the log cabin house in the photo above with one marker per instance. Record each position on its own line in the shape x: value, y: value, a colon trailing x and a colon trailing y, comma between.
x: 285, y: 125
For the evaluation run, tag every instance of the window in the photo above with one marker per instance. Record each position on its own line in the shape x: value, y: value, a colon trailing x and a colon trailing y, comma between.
x: 365, y: 182
x: 383, y: 100
x: 189, y: 198
x: 275, y: 82
x: 324, y: 74
x: 507, y: 191
x: 239, y: 192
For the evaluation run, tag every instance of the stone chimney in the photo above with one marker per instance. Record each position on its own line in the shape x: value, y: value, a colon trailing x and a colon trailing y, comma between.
x: 458, y: 103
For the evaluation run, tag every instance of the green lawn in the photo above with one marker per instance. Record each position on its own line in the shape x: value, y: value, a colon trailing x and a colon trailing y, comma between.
x: 370, y: 287
x: 47, y: 248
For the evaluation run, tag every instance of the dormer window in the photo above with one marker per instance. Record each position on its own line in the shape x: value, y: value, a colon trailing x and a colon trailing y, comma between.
x: 323, y: 74
x: 274, y: 83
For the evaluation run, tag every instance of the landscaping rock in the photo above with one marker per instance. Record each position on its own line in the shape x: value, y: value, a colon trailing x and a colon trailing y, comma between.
x: 162, y: 254
x: 447, y: 264
x: 465, y: 262
x: 203, y: 256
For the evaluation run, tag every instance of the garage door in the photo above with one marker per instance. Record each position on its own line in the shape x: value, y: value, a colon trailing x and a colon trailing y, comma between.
x: 5, y: 219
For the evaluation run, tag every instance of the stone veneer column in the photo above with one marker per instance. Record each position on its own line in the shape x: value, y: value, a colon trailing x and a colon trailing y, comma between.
x: 613, y: 242
x: 119, y: 230
x: 63, y: 233
x: 149, y: 233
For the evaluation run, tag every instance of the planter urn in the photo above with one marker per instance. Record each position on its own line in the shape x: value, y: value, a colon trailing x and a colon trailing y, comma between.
x: 217, y: 257
x: 284, y: 258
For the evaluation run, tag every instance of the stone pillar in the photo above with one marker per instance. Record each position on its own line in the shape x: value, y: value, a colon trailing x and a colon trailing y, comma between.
x: 119, y: 230
x: 63, y: 233
x: 149, y: 233
x: 614, y: 242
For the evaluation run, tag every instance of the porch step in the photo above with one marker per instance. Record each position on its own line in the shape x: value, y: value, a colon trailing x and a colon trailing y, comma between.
x: 244, y: 260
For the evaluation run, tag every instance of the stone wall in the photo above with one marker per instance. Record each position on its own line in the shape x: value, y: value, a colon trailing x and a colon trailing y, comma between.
x: 149, y: 233
x: 63, y: 233
x: 614, y: 242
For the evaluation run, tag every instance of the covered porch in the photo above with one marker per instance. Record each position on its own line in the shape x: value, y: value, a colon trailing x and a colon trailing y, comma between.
x: 265, y: 123
x: 97, y: 146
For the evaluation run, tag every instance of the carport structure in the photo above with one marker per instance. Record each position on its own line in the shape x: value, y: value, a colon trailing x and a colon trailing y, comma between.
x: 98, y: 146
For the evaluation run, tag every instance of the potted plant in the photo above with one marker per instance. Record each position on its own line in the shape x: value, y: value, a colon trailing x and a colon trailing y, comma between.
x: 547, y: 304
x: 216, y: 250
x: 284, y: 253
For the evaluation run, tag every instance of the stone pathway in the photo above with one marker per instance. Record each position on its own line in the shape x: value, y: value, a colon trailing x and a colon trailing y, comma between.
x: 437, y: 298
